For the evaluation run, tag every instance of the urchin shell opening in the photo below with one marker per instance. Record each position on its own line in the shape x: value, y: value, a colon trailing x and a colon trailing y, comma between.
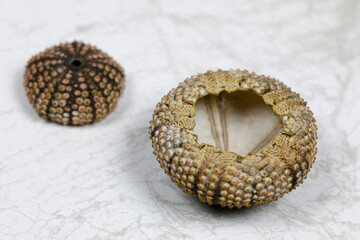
x: 76, y: 62
x: 238, y: 122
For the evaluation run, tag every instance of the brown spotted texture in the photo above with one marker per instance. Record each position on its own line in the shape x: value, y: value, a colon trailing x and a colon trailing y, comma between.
x: 220, y: 177
x: 73, y: 83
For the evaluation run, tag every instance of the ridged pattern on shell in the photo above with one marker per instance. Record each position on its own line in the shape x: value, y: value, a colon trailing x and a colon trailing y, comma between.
x: 221, y: 177
x: 73, y: 83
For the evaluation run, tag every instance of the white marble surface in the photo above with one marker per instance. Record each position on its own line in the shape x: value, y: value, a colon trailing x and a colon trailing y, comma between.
x: 102, y: 181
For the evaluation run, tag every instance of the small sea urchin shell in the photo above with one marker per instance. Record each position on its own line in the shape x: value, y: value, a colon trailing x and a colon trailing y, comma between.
x: 216, y: 175
x: 73, y: 83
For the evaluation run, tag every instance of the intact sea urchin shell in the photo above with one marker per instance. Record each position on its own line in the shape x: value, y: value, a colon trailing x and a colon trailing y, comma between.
x: 73, y: 83
x: 216, y: 175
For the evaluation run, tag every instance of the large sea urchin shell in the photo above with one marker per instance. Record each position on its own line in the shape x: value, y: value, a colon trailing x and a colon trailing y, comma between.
x: 218, y: 176
x: 73, y: 83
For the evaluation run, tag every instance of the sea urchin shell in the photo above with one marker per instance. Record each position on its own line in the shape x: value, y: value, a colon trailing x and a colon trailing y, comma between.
x: 216, y: 175
x: 73, y: 83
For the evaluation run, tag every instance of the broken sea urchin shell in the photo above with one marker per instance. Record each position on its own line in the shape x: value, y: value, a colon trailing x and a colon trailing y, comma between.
x: 73, y: 83
x: 275, y: 156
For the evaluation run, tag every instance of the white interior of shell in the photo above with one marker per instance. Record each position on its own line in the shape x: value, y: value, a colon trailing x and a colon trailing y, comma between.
x: 239, y: 122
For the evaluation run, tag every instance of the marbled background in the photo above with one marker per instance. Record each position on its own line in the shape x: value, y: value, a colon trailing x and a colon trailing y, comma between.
x: 102, y: 181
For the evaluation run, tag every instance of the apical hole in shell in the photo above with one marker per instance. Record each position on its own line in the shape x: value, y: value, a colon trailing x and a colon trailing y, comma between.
x: 239, y: 122
x: 76, y: 62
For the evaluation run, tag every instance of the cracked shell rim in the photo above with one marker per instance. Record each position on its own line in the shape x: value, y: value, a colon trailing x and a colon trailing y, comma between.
x: 226, y: 178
